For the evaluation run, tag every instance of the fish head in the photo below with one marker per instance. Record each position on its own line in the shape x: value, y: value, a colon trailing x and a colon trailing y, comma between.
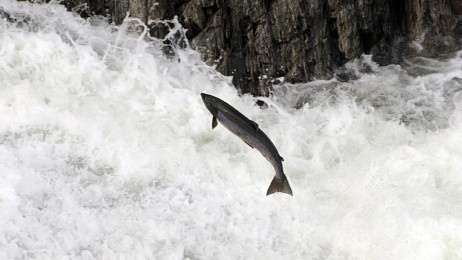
x: 210, y: 102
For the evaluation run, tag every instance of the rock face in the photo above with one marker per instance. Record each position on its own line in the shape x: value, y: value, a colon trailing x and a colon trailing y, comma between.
x: 258, y: 41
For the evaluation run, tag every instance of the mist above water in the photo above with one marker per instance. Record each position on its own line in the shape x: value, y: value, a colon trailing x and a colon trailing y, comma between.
x: 107, y: 152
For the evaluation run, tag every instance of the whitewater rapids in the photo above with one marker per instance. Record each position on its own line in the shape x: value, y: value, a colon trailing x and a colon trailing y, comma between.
x: 107, y: 152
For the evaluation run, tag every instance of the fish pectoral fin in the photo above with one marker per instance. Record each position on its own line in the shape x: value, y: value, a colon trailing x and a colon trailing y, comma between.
x: 214, y: 122
x: 248, y: 144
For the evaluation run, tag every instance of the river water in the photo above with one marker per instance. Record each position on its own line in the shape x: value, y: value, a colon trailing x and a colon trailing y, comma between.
x: 107, y: 152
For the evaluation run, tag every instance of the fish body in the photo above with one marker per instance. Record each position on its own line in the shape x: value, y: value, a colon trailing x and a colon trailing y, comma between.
x: 248, y: 131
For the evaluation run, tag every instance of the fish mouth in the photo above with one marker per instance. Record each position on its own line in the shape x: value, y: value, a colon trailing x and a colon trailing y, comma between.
x: 206, y: 98
x: 207, y: 101
x: 212, y: 103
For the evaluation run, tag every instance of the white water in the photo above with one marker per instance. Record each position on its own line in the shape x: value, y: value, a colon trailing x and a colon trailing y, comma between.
x: 107, y: 152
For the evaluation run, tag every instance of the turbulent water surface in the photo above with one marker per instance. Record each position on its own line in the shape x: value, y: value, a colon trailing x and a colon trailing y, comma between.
x: 107, y: 152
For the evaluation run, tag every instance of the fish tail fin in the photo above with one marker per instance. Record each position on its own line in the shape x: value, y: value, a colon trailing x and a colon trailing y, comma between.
x: 279, y: 185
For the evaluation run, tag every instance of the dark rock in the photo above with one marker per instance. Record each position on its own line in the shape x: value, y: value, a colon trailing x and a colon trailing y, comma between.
x: 262, y: 104
x: 88, y: 8
x: 457, y: 6
x: 345, y: 75
x: 301, y: 40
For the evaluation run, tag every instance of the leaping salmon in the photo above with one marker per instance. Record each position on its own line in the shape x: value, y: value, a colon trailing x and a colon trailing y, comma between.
x: 251, y: 134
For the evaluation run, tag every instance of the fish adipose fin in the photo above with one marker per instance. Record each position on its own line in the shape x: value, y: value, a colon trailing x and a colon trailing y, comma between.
x: 279, y: 185
x: 255, y: 125
x: 214, y: 122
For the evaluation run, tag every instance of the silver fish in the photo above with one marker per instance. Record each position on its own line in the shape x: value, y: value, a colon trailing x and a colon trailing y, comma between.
x: 251, y: 134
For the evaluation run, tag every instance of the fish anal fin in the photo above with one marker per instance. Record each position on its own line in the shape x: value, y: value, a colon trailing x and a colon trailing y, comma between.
x: 214, y: 122
x: 279, y: 185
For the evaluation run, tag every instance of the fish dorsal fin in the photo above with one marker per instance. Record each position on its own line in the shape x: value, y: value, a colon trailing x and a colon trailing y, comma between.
x: 255, y: 125
x: 214, y: 122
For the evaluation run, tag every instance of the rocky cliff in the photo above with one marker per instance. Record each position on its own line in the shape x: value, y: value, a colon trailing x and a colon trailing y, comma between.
x: 259, y: 41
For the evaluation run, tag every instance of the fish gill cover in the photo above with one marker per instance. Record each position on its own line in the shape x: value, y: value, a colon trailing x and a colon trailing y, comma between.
x: 106, y: 152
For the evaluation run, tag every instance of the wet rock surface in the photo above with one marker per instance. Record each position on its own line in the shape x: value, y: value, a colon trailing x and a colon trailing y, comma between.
x: 260, y: 40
